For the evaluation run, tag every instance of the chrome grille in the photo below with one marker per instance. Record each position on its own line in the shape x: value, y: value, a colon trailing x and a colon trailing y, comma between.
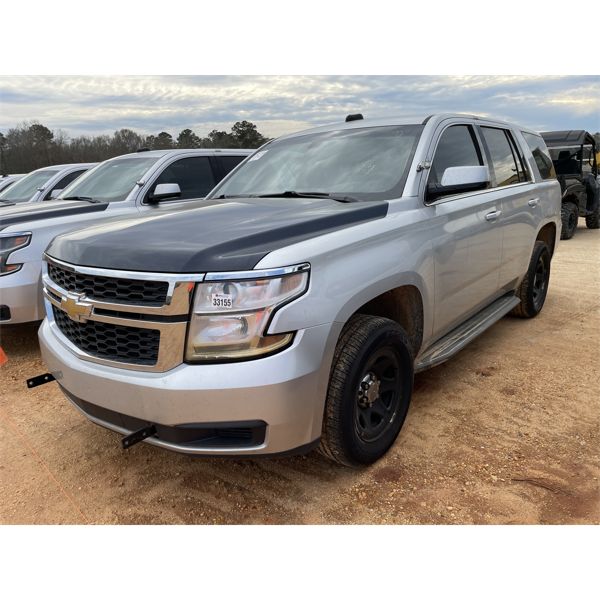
x: 133, y: 345
x: 111, y: 289
x: 126, y: 319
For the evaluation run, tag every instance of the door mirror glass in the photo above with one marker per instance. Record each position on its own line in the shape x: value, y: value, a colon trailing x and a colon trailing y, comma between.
x: 54, y: 194
x: 164, y: 191
x: 458, y: 180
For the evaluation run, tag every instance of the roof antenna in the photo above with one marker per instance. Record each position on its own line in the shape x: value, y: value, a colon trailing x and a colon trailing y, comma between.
x: 356, y: 117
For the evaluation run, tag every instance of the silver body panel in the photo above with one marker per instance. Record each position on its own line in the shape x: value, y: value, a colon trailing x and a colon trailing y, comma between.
x: 458, y: 259
x: 279, y: 389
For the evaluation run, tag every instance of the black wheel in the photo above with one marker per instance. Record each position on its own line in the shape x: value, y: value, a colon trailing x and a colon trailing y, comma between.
x: 569, y: 215
x: 370, y: 386
x: 593, y: 221
x: 534, y: 287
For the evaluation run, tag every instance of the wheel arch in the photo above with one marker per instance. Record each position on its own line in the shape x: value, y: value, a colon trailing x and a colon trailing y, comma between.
x: 547, y: 234
x: 403, y: 303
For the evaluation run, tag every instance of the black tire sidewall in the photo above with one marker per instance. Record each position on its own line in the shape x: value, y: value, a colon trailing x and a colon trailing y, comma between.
x: 356, y: 449
x: 568, y: 210
x: 539, y: 250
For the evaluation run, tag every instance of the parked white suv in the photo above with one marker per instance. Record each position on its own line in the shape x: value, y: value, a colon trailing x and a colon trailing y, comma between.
x: 42, y: 184
x: 140, y: 184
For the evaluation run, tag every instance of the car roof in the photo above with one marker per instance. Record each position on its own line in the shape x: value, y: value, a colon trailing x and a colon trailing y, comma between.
x: 197, y: 151
x: 398, y: 120
x: 66, y: 166
x: 568, y: 137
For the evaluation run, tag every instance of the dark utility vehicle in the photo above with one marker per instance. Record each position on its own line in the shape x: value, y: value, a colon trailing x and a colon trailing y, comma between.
x: 574, y: 156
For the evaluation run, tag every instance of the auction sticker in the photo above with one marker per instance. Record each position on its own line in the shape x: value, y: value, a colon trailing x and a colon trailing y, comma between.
x: 222, y: 300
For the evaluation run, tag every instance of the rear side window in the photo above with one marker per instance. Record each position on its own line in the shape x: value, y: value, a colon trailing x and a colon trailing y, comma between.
x: 457, y: 148
x: 504, y: 162
x: 540, y: 155
x: 194, y: 176
x: 519, y: 159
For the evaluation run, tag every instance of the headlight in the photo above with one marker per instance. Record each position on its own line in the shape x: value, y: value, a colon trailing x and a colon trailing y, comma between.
x: 230, y: 317
x: 8, y: 244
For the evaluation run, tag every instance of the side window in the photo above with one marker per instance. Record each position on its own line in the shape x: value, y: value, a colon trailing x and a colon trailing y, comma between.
x: 194, y: 176
x: 228, y: 163
x: 457, y: 148
x: 519, y: 159
x: 501, y: 155
x: 64, y: 182
x: 540, y: 155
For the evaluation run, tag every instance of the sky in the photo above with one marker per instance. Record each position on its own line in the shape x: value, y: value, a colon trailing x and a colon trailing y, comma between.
x: 91, y: 105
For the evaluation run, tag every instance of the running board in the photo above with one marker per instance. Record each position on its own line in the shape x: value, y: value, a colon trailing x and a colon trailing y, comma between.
x: 458, y: 338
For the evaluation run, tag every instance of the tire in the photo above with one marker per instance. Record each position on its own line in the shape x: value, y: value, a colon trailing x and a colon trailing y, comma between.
x: 569, y: 215
x: 593, y: 221
x: 534, y: 287
x: 359, y: 425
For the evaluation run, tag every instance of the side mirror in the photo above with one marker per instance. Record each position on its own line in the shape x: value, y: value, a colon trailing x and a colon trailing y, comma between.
x: 164, y: 191
x: 54, y: 194
x: 458, y: 180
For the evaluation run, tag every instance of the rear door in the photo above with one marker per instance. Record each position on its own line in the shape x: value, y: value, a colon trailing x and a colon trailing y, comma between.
x: 518, y: 202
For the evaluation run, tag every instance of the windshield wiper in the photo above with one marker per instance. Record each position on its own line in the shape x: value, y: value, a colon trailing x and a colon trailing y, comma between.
x: 293, y: 194
x: 86, y: 198
x: 8, y: 202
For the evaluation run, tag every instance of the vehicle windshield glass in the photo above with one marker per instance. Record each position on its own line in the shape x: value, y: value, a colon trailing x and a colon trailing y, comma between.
x: 369, y: 163
x: 25, y: 188
x: 111, y: 181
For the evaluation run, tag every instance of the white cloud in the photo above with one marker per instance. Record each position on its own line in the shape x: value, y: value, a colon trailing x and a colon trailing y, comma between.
x: 280, y: 104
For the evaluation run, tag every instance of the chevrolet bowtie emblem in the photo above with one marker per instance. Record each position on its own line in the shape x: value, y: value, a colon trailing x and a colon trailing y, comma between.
x: 74, y: 306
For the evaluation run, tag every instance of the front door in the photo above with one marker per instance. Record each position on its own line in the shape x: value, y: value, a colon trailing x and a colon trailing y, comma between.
x: 467, y: 242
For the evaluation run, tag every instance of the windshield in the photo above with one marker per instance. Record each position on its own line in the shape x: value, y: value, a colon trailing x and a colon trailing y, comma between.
x: 111, y: 181
x: 369, y: 163
x: 25, y: 188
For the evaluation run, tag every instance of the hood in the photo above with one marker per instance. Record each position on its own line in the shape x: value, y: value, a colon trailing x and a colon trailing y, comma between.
x: 219, y: 236
x: 34, y: 211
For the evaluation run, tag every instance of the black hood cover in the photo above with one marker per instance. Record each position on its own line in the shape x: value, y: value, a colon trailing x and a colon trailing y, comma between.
x: 35, y: 211
x: 219, y: 236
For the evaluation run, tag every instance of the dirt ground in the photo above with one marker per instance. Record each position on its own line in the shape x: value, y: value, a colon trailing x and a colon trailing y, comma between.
x: 508, y: 431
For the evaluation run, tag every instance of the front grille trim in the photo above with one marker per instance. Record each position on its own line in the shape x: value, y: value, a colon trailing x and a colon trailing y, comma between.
x: 168, y: 322
x: 141, y: 292
x: 133, y: 345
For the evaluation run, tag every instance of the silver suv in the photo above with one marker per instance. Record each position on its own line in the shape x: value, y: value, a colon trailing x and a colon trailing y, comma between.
x: 293, y: 307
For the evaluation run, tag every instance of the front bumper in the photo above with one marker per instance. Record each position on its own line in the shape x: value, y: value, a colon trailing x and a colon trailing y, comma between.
x: 21, y: 292
x: 285, y: 391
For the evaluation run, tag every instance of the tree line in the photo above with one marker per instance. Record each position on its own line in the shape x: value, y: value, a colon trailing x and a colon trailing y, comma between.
x: 32, y: 145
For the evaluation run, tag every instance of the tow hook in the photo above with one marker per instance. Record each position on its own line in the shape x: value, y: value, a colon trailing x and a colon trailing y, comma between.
x: 138, y: 436
x: 40, y: 380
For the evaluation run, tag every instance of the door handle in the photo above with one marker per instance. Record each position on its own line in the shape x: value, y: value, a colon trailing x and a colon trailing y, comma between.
x: 533, y: 202
x: 492, y: 216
